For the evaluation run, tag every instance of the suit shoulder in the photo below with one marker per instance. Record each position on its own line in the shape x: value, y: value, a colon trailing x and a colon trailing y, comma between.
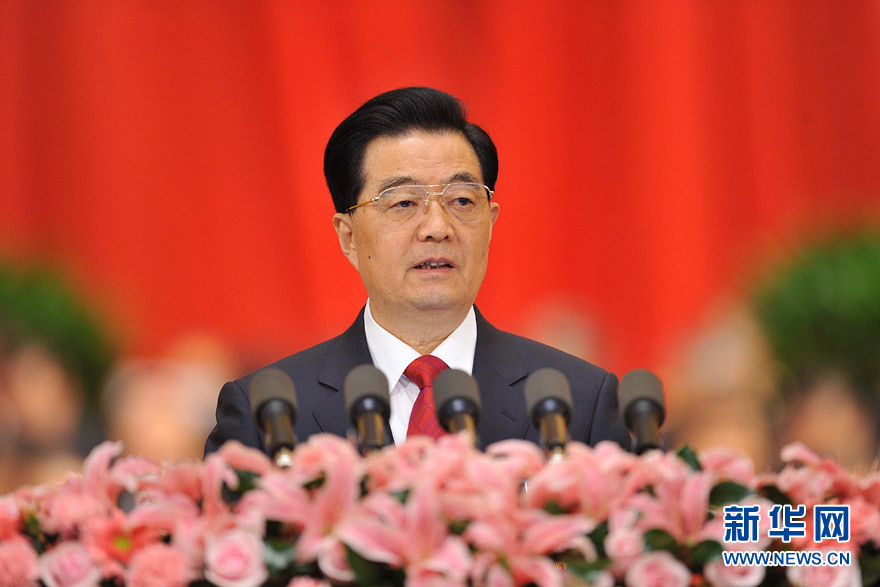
x: 305, y: 361
x: 537, y: 355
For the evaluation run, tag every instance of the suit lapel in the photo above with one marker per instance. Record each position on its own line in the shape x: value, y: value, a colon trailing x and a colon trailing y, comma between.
x: 347, y: 351
x: 498, y: 369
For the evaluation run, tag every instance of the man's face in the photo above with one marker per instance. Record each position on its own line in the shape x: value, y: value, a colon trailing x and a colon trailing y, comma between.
x: 392, y: 260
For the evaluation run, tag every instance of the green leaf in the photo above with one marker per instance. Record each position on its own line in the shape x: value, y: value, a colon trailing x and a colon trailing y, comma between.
x: 247, y: 480
x: 574, y: 562
x: 34, y: 532
x: 598, y: 536
x: 32, y: 524
x: 371, y: 573
x: 401, y: 495
x: 688, y: 455
x: 727, y: 492
x: 279, y: 553
x: 706, y: 551
x: 869, y: 562
x: 281, y: 531
x: 553, y: 507
x: 658, y: 539
x: 773, y: 493
x: 315, y: 483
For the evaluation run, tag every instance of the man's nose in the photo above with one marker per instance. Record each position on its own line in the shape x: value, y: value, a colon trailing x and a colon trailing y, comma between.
x: 436, y: 221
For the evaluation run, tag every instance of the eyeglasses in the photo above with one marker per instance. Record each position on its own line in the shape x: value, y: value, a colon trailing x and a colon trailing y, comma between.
x: 399, y: 206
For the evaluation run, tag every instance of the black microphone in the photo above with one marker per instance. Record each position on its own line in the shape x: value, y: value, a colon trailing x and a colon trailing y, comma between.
x: 457, y: 400
x: 368, y: 405
x: 641, y: 404
x: 273, y: 402
x: 548, y: 401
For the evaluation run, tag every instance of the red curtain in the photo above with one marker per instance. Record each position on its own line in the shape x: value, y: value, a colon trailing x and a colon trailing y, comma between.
x: 652, y: 153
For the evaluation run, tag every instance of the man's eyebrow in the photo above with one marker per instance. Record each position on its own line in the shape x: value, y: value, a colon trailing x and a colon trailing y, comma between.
x: 464, y: 177
x: 396, y: 180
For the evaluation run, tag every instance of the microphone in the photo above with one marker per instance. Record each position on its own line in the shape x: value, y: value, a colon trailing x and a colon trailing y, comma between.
x: 273, y: 402
x: 457, y: 400
x: 367, y: 403
x: 548, y: 401
x: 641, y: 404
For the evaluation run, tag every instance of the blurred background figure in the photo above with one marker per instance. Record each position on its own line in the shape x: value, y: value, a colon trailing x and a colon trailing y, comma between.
x: 565, y: 324
x: 41, y: 418
x: 721, y: 387
x: 54, y: 354
x: 66, y: 384
x: 833, y: 419
x: 163, y: 409
x: 820, y: 311
x: 796, y: 360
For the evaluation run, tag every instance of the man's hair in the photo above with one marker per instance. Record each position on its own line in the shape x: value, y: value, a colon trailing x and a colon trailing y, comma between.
x: 393, y: 114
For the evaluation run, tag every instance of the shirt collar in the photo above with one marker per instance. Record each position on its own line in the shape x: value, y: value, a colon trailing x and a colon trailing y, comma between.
x: 392, y: 356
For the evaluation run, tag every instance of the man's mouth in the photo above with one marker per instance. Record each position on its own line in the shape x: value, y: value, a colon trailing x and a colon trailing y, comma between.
x: 433, y: 265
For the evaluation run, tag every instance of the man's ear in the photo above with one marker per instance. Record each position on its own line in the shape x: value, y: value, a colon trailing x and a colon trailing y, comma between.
x: 494, y: 210
x: 345, y: 231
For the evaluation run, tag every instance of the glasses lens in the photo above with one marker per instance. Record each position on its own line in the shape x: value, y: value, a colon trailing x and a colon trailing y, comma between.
x: 469, y: 202
x: 401, y: 204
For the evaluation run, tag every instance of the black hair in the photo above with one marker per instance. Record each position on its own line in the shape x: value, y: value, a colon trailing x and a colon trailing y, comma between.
x: 392, y: 114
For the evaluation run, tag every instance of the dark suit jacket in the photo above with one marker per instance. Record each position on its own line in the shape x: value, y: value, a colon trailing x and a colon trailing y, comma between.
x: 502, y: 361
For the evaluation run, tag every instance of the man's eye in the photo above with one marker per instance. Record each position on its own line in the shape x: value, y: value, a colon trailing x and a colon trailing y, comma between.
x: 461, y: 202
x: 403, y: 204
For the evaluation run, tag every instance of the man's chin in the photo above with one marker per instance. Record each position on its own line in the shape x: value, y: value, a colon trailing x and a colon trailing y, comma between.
x: 439, y: 302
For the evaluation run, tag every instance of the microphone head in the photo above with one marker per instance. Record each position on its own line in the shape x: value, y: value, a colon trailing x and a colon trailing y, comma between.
x: 271, y: 384
x: 547, y: 390
x: 456, y: 392
x: 637, y: 385
x: 366, y: 389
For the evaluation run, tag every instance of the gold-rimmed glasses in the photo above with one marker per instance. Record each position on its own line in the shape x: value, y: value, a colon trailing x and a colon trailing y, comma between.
x: 400, y: 205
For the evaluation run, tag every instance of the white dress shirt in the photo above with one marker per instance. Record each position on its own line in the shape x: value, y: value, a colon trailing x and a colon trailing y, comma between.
x: 392, y: 356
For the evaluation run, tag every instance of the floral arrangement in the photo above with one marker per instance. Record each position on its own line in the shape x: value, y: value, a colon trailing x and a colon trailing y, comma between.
x: 423, y: 514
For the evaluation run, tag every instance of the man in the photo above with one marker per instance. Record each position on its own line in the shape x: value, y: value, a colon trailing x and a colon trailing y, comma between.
x: 412, y: 183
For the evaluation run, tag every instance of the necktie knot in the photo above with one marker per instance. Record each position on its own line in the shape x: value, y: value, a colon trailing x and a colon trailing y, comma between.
x: 423, y: 419
x: 423, y: 370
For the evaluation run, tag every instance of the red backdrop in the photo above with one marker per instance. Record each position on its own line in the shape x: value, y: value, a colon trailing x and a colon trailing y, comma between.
x: 170, y: 153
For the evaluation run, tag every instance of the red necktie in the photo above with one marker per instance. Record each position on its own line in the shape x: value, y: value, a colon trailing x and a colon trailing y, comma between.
x: 423, y: 419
